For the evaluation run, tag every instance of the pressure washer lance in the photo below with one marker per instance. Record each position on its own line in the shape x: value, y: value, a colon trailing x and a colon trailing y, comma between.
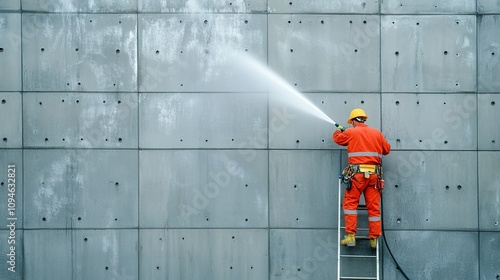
x: 340, y: 127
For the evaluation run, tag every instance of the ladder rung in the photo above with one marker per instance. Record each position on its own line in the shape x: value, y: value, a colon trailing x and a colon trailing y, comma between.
x: 363, y: 237
x: 365, y: 229
x: 359, y: 277
x: 360, y: 207
x: 358, y: 256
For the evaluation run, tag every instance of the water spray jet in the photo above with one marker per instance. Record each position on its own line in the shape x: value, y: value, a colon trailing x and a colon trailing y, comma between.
x: 277, y: 85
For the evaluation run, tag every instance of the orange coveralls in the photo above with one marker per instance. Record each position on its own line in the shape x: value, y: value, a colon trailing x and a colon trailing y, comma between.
x: 365, y: 145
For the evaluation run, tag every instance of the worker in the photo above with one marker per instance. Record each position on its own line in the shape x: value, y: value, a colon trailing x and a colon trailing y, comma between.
x: 365, y: 148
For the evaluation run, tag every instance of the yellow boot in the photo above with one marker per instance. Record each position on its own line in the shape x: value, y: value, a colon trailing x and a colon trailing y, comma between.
x: 349, y: 240
x: 373, y: 243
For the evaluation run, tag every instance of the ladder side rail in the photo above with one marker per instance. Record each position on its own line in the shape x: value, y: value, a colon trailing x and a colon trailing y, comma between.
x: 378, y: 260
x: 338, y: 214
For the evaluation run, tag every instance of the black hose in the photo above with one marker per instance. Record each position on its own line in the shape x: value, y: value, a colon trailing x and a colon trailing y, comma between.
x: 387, y: 245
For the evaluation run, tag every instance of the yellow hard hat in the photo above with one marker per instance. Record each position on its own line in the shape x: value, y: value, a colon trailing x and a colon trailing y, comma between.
x: 358, y: 112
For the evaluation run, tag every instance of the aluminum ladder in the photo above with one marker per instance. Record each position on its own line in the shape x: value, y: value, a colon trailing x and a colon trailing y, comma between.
x: 352, y: 253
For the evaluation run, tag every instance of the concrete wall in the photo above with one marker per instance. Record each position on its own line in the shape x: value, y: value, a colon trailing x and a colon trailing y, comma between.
x: 138, y: 140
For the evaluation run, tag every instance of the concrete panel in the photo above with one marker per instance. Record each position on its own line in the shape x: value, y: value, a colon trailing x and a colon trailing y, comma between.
x: 10, y: 5
x: 231, y: 181
x: 80, y: 120
x: 322, y: 6
x: 293, y: 124
x: 11, y: 116
x: 431, y: 190
x: 72, y: 6
x: 303, y: 254
x: 432, y: 255
x: 489, y: 249
x: 80, y: 52
x: 11, y: 187
x: 428, y: 53
x: 488, y: 109
x: 431, y: 121
x: 488, y: 6
x: 48, y: 254
x: 222, y: 120
x: 200, y: 52
x: 81, y: 254
x: 326, y: 52
x: 204, y: 254
x: 199, y: 6
x: 488, y: 53
x: 11, y: 253
x: 489, y: 191
x: 10, y: 51
x: 105, y: 254
x: 81, y: 189
x: 300, y: 198
x: 428, y: 7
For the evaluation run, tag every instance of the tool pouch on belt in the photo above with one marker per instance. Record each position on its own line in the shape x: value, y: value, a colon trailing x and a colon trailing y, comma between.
x: 366, y: 169
x: 347, y: 173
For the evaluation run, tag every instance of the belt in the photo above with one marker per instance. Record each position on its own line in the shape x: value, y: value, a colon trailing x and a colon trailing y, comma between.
x: 365, y: 168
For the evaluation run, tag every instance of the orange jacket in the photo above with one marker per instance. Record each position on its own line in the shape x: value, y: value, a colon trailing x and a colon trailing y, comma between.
x: 365, y: 145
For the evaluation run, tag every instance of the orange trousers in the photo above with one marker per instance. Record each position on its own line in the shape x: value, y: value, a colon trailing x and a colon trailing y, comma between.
x: 361, y: 185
